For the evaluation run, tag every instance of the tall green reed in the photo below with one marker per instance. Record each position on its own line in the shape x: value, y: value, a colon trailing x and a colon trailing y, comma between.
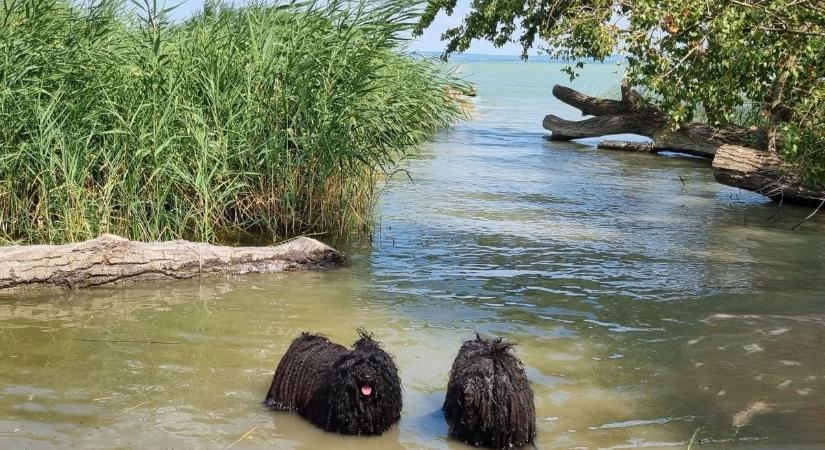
x: 273, y: 119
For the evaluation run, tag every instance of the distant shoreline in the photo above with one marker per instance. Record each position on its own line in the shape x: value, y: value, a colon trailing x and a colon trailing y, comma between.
x: 481, y: 57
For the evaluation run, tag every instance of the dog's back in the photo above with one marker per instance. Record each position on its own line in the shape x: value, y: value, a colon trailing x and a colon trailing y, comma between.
x: 300, y: 372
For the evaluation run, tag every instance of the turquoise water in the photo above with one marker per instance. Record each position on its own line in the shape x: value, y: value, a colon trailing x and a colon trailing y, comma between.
x: 651, y: 306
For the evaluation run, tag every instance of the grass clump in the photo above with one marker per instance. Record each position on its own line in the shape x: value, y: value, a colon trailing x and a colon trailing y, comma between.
x: 274, y: 118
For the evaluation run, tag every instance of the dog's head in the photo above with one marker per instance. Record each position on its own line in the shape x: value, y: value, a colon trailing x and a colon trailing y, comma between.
x: 362, y: 391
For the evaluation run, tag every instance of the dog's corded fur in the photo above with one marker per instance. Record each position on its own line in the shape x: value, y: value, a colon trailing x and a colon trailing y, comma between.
x: 323, y: 381
x: 489, y: 400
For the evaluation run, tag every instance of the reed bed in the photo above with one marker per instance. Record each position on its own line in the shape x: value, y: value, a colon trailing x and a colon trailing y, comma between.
x: 276, y: 120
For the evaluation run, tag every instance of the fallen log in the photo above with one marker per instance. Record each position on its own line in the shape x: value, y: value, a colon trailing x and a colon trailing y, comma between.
x: 112, y: 260
x: 627, y: 146
x: 764, y: 173
x: 647, y: 147
x: 633, y: 115
x: 566, y: 130
x: 740, y: 154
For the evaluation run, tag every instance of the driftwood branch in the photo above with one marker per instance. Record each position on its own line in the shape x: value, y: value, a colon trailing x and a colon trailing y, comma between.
x: 627, y: 146
x: 633, y: 115
x: 111, y: 260
x: 589, y: 106
x: 565, y: 130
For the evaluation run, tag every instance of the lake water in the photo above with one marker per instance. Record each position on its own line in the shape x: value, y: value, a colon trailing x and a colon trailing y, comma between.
x: 651, y: 307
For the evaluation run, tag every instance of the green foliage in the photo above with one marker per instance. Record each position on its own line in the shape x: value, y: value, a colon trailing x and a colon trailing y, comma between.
x: 274, y: 119
x: 710, y: 57
x: 804, y: 137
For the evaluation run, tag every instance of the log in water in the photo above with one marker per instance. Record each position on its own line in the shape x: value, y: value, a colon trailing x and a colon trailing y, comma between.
x: 110, y: 260
x: 739, y: 154
x: 764, y: 173
x: 633, y: 115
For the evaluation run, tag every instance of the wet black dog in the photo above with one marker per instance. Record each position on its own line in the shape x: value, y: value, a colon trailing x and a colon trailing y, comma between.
x: 489, y: 400
x: 354, y: 391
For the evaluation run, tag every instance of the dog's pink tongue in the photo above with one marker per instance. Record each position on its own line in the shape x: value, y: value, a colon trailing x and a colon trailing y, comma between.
x: 366, y: 389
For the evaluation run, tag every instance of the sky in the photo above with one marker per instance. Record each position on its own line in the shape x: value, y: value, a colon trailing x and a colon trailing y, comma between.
x: 430, y: 41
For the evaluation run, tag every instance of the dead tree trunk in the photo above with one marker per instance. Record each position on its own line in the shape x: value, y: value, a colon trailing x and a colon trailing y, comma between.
x: 740, y: 155
x: 633, y: 115
x: 111, y: 260
x: 764, y: 173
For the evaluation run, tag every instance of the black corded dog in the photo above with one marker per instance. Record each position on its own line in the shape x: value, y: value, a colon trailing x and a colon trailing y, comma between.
x: 489, y: 400
x: 354, y: 391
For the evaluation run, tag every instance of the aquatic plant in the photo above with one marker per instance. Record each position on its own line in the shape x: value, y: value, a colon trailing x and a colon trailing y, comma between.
x: 273, y: 119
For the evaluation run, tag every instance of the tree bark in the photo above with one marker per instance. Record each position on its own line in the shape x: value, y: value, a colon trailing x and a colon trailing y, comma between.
x: 764, y: 173
x: 629, y: 123
x: 112, y: 260
x: 632, y: 115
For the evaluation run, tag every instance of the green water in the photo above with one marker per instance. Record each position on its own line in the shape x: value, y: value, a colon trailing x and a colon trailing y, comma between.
x: 650, y: 304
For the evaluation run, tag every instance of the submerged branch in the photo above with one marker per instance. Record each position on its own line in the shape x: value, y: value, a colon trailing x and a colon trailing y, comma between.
x: 740, y: 154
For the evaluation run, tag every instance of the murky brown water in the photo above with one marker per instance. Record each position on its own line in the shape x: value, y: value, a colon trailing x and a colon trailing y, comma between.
x: 651, y: 306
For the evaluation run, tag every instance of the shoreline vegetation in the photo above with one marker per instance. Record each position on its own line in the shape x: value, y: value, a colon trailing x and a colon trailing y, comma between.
x: 265, y: 120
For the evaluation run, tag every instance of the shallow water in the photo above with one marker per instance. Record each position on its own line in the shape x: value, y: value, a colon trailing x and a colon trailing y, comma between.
x: 651, y: 306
